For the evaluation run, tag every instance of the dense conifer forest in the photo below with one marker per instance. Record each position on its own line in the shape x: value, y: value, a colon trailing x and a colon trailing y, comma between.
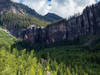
x: 56, y: 59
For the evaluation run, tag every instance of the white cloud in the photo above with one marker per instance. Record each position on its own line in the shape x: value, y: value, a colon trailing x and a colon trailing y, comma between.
x: 16, y: 1
x: 45, y: 8
x: 64, y: 8
x: 35, y: 4
x: 70, y: 7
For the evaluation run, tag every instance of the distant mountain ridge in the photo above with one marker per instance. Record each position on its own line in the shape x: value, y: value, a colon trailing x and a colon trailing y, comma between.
x: 48, y: 17
x: 9, y: 6
x: 52, y: 17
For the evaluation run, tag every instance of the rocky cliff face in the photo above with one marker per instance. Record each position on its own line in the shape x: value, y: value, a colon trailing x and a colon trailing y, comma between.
x: 86, y: 24
x: 7, y: 6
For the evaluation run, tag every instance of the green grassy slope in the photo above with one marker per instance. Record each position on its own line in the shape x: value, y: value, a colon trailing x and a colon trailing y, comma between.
x: 6, y: 39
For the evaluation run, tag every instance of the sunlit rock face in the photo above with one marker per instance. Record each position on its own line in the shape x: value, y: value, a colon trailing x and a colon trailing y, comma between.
x: 82, y: 25
x: 9, y: 6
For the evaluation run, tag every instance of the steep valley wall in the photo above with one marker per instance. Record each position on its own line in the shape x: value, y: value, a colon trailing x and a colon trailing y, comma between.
x: 85, y: 24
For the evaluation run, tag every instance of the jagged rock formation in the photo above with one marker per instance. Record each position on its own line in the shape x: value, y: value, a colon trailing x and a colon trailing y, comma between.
x: 86, y: 24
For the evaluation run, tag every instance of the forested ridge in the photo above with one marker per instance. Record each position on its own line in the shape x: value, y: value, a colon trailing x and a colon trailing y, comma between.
x: 20, y: 21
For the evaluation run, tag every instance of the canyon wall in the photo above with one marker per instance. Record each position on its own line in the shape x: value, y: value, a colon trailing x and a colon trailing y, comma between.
x: 88, y: 23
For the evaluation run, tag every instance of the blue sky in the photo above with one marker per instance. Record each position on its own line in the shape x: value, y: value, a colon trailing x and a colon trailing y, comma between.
x: 49, y: 0
x: 64, y: 8
x: 21, y: 1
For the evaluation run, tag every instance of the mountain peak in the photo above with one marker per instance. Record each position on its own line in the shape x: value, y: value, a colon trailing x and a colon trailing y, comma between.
x: 53, y: 16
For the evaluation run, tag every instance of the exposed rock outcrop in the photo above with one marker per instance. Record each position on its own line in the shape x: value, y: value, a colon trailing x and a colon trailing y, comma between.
x: 86, y: 24
x: 7, y: 6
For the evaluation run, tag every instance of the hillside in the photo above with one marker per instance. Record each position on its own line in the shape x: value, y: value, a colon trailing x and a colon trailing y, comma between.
x: 84, y: 57
x: 15, y: 62
x: 16, y: 17
x: 68, y: 58
x: 11, y: 19
x: 6, y: 39
x: 20, y: 12
x: 49, y: 17
x: 7, y: 6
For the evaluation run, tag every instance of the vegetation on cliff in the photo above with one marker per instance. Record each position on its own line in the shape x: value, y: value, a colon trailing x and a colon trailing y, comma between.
x: 20, y: 21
